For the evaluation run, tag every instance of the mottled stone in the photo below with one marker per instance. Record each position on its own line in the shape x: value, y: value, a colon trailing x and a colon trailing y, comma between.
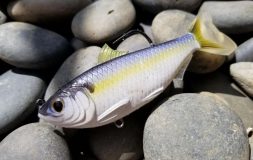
x: 133, y: 43
x: 160, y: 5
x: 242, y: 73
x: 244, y: 52
x: 222, y: 86
x: 76, y: 64
x: 19, y: 91
x: 231, y: 16
x: 34, y: 141
x: 103, y: 20
x: 28, y: 46
x: 41, y: 11
x: 112, y: 143
x: 171, y: 24
x: 193, y: 126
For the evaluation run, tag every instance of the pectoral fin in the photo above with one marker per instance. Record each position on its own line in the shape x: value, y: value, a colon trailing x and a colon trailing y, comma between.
x: 108, y: 53
x: 114, y: 110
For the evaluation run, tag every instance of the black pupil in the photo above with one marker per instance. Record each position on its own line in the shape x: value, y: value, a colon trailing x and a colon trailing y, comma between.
x: 58, y: 106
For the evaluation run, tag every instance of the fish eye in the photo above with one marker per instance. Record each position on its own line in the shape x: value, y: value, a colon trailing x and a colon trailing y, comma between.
x: 58, y: 105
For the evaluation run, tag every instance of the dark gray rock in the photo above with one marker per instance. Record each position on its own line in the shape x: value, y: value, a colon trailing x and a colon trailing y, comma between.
x: 2, y: 17
x: 242, y: 73
x: 41, y: 11
x: 193, y: 126
x: 223, y: 87
x: 112, y: 143
x: 34, y: 141
x: 133, y: 43
x: 76, y: 64
x: 171, y: 24
x: 103, y: 20
x: 77, y: 44
x: 244, y: 52
x: 19, y: 91
x: 231, y: 16
x: 28, y: 46
x: 160, y: 5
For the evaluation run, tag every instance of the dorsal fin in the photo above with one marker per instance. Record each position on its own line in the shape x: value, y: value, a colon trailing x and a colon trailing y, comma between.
x: 108, y: 53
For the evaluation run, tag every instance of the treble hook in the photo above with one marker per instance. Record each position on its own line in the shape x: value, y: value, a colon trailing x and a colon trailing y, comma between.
x: 130, y: 33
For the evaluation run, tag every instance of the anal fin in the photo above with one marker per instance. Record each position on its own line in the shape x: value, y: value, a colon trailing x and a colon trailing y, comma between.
x: 114, y: 110
x: 178, y: 82
x: 153, y: 94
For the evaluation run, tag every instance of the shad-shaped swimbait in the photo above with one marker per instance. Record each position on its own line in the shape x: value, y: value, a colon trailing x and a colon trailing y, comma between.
x: 118, y: 87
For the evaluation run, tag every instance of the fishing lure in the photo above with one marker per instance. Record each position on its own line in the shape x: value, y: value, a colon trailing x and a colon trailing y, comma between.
x: 123, y: 83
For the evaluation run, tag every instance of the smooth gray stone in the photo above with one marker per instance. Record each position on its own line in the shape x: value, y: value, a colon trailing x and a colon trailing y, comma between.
x: 133, y: 43
x: 2, y: 17
x: 19, y: 91
x: 160, y: 5
x: 244, y: 52
x: 242, y: 73
x: 41, y: 11
x: 76, y: 64
x: 171, y: 24
x: 35, y: 141
x: 27, y: 46
x: 194, y: 126
x: 103, y: 20
x: 223, y: 87
x: 112, y: 143
x: 230, y: 17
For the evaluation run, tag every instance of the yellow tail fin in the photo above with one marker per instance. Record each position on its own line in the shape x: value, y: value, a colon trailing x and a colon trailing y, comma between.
x: 210, y: 38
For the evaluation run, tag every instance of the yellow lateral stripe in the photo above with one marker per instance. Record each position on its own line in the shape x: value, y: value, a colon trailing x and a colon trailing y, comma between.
x: 104, y: 84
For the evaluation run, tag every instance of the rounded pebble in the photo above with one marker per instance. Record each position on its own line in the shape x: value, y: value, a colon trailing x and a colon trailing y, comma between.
x: 160, y: 5
x: 133, y: 43
x: 193, y: 126
x: 222, y: 86
x: 27, y: 46
x: 103, y: 20
x: 112, y: 143
x: 34, y: 141
x: 2, y: 17
x: 230, y: 16
x: 171, y: 24
x: 76, y: 64
x: 19, y: 91
x: 242, y: 72
x: 203, y: 62
x: 244, y: 52
x: 41, y: 11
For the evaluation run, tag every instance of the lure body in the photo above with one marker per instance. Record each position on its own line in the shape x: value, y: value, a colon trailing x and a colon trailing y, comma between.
x: 118, y: 87
x: 122, y: 85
